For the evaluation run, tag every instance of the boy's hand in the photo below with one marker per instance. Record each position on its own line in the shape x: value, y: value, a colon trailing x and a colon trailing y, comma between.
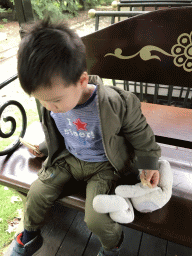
x: 35, y: 153
x: 151, y: 176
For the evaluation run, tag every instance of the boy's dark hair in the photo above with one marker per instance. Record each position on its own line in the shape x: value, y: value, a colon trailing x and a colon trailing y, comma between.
x: 48, y: 49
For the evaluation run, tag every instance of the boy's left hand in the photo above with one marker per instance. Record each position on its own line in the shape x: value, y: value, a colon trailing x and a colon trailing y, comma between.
x: 151, y: 176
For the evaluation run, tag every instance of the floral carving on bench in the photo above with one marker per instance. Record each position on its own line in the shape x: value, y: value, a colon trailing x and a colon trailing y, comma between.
x: 181, y: 52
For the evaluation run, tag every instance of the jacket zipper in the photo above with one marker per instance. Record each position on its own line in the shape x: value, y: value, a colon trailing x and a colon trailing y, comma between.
x: 98, y: 106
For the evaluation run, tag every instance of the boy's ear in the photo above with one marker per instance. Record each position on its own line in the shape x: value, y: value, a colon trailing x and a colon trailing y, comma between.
x: 84, y: 79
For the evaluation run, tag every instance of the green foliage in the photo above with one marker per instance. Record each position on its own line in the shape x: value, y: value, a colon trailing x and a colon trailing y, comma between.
x: 106, y: 2
x: 87, y: 4
x: 69, y: 6
x: 60, y: 9
x: 5, y: 20
x: 92, y: 3
x: 8, y: 211
x: 55, y: 9
x: 2, y: 10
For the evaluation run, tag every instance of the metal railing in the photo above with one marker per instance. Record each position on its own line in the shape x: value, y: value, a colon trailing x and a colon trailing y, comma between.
x: 113, y: 14
x: 24, y: 14
x: 11, y: 119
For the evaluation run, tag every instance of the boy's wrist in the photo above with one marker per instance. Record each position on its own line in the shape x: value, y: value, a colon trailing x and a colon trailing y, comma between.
x: 150, y: 176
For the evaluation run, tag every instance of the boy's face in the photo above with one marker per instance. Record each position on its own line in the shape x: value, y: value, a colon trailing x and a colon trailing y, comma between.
x: 61, y: 99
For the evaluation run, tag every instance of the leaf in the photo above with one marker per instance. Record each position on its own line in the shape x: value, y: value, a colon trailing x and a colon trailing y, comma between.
x: 20, y: 213
x: 10, y: 229
x: 15, y: 198
x: 12, y: 226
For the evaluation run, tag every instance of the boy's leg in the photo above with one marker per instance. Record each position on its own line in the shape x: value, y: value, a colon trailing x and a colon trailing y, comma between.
x: 39, y: 200
x: 43, y: 193
x: 108, y: 231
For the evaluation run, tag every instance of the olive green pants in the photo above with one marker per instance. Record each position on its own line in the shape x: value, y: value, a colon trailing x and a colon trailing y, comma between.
x: 100, y: 178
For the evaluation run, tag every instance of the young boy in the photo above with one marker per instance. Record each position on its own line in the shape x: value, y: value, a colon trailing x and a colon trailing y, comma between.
x: 90, y: 131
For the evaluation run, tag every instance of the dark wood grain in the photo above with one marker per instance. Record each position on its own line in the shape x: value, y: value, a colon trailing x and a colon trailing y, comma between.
x: 160, y: 28
x: 76, y: 239
x: 131, y: 242
x: 66, y: 234
x: 54, y: 232
x: 170, y: 122
x: 93, y: 246
x: 179, y: 250
x: 152, y: 246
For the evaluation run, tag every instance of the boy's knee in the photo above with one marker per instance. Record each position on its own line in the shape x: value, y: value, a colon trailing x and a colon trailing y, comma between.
x: 34, y: 193
x: 36, y: 188
x: 41, y: 193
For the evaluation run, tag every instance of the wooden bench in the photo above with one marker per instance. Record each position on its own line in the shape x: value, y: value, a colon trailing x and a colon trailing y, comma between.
x: 148, y: 92
x: 150, y: 4
x: 173, y: 222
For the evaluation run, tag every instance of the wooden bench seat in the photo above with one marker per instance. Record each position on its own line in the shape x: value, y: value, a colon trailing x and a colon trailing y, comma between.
x: 171, y: 125
x: 20, y: 169
x: 172, y: 222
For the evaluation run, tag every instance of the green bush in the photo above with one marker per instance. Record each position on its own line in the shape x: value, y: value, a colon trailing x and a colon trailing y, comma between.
x: 60, y: 9
x: 2, y: 10
x: 55, y: 9
x: 87, y: 4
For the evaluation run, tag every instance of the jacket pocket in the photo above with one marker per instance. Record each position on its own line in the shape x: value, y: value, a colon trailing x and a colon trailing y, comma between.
x: 46, y: 175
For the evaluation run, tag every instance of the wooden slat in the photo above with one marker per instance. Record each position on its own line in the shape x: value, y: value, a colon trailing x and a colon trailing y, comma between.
x: 178, y: 250
x: 131, y: 242
x: 172, y: 222
x: 152, y: 246
x: 57, y: 228
x: 93, y: 246
x: 76, y: 239
x: 170, y: 122
x: 130, y: 246
x: 66, y: 234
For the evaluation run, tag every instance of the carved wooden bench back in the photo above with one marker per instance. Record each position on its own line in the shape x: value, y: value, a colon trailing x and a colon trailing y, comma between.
x: 152, y: 48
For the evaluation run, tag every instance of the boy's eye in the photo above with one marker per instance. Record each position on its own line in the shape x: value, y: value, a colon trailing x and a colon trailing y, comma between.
x: 56, y: 101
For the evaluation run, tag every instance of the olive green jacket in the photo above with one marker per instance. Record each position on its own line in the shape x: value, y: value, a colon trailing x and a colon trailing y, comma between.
x: 127, y: 138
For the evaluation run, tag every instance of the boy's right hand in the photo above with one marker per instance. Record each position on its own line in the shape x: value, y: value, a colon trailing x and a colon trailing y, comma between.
x: 35, y: 153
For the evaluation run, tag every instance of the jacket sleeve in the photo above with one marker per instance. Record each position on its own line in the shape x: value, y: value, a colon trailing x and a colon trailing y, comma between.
x: 43, y: 148
x: 138, y: 132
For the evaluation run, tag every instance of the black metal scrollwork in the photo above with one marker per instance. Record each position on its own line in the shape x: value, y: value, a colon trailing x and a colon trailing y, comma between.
x: 16, y: 144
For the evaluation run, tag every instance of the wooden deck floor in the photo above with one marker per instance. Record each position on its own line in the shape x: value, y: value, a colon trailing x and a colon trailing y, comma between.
x: 66, y: 234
